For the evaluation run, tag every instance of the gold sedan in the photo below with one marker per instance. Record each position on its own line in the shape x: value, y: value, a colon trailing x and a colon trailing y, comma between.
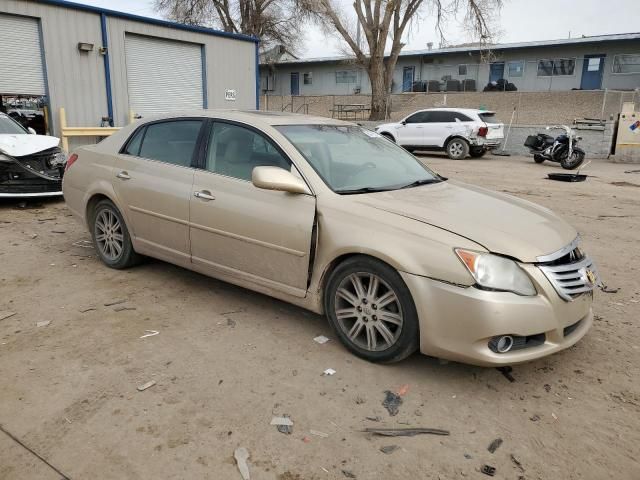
x: 334, y: 218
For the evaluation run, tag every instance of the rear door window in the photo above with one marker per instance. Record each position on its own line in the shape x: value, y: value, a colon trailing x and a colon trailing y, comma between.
x: 170, y: 142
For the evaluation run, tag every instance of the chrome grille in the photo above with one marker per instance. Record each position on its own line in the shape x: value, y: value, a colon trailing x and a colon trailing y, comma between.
x: 573, y: 278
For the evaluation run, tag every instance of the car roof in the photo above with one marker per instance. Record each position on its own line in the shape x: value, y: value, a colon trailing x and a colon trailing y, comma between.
x: 461, y: 110
x: 253, y: 117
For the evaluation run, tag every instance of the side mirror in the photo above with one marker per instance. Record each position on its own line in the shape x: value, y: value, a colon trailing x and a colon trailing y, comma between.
x: 403, y: 122
x: 31, y: 131
x: 276, y: 178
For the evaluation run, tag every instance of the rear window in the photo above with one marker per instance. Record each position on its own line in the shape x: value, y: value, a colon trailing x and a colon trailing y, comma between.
x: 489, y: 117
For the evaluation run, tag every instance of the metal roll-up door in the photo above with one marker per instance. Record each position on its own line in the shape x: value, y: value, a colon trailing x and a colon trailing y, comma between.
x: 21, y: 66
x: 163, y: 75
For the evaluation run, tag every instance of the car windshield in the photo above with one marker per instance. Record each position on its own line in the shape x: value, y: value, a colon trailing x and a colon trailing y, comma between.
x: 351, y: 159
x: 7, y: 125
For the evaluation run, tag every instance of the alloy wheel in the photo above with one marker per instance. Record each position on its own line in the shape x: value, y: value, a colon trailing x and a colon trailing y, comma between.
x: 456, y: 149
x: 109, y: 235
x: 368, y: 311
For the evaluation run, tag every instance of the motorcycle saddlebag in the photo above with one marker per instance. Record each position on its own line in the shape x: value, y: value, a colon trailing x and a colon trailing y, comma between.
x: 534, y: 141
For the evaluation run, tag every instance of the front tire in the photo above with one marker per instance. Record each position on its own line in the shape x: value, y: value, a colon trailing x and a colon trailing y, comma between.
x: 371, y: 310
x: 538, y: 158
x: 457, y: 149
x: 577, y: 157
x: 111, y: 237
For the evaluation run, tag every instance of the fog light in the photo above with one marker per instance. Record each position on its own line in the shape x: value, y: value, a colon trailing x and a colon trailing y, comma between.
x: 501, y: 344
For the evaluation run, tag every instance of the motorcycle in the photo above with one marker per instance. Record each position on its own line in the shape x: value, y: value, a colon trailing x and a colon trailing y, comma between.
x: 562, y: 149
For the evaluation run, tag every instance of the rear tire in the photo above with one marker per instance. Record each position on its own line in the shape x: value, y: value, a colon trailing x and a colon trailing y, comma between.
x: 457, y: 149
x: 371, y: 310
x: 477, y: 152
x: 111, y: 238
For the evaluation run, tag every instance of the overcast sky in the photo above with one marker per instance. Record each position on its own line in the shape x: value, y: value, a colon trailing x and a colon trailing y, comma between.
x: 520, y: 20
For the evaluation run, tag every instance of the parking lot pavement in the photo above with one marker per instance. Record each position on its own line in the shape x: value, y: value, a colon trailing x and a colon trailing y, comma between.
x: 226, y: 360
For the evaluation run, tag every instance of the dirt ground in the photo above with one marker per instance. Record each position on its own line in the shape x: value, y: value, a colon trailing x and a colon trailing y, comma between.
x: 226, y: 360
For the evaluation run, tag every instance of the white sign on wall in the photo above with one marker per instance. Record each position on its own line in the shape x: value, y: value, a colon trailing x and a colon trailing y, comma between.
x: 230, y: 95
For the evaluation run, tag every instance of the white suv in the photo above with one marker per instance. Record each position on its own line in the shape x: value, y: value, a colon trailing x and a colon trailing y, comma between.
x: 458, y: 131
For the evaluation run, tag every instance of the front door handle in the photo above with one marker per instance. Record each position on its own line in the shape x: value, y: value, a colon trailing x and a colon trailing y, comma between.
x: 204, y: 195
x: 123, y: 175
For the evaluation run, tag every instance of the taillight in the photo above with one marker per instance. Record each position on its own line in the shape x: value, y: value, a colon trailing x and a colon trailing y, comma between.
x: 70, y: 161
x: 482, y: 131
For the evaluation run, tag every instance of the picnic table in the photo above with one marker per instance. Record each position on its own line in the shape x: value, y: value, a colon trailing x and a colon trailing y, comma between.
x: 350, y: 111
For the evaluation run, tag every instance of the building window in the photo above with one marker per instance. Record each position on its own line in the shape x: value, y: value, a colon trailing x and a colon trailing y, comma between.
x: 626, y: 64
x: 347, y: 76
x: 307, y: 78
x: 515, y: 68
x: 556, y: 67
x: 462, y: 69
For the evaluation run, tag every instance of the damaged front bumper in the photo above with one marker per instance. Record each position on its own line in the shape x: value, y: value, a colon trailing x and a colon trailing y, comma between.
x: 36, y: 175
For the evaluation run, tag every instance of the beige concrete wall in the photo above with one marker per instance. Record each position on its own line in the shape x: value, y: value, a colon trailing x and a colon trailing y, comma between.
x: 531, y: 108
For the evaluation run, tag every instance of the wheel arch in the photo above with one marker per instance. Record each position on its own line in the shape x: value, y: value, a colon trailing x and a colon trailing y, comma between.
x: 454, y: 136
x: 391, y: 136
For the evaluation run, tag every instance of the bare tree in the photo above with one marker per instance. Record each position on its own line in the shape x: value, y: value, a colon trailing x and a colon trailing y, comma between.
x: 384, y: 23
x: 272, y: 21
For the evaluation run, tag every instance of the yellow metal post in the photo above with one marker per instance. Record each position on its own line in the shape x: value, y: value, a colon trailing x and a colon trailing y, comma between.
x: 63, y: 127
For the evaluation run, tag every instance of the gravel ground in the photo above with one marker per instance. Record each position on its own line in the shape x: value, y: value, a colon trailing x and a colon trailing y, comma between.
x: 226, y: 360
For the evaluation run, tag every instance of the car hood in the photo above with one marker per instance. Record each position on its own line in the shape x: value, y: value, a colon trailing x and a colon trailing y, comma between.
x: 18, y: 145
x: 500, y: 223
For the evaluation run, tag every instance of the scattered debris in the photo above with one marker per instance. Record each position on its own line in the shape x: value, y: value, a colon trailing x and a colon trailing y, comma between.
x: 318, y: 433
x: 392, y: 402
x: 348, y: 474
x: 403, y: 390
x: 144, y: 386
x: 405, y: 432
x: 632, y: 171
x: 34, y: 236
x: 150, y: 333
x: 359, y: 400
x: 467, y: 456
x: 44, y: 323
x: 488, y: 470
x: 86, y: 309
x: 321, y: 339
x: 506, y: 372
x: 5, y: 315
x: 389, y: 449
x: 306, y: 439
x: 231, y: 322
x: 58, y: 231
x: 83, y: 244
x: 547, y: 387
x: 624, y: 184
x: 122, y: 308
x: 242, y: 455
x: 114, y: 302
x: 535, y: 418
x: 606, y: 289
x: 284, y: 424
x: 329, y: 371
x: 517, y: 463
x: 555, y: 417
x: 374, y: 419
x: 493, y: 446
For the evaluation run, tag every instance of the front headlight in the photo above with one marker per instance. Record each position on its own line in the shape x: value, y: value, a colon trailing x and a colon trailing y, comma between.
x: 496, y: 273
x: 5, y: 158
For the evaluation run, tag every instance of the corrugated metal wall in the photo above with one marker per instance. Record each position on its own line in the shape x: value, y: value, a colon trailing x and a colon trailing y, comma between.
x: 76, y: 80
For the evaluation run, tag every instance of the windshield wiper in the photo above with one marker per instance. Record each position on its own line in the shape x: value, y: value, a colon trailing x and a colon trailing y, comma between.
x: 424, y: 181
x: 363, y: 190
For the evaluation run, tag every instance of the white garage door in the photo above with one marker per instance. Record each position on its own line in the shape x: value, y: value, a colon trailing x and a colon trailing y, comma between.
x: 163, y: 75
x: 21, y: 69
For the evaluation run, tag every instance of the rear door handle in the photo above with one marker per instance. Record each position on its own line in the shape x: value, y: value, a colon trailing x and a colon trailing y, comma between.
x: 204, y: 195
x: 123, y: 176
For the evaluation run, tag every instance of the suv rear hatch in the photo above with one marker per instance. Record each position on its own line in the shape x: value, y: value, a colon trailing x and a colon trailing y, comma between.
x: 495, y: 126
